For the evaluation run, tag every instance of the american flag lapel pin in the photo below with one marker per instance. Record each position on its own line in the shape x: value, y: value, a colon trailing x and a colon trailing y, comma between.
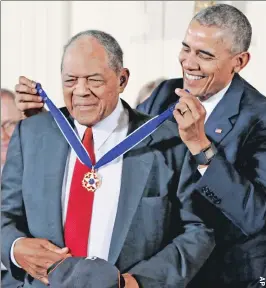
x: 218, y: 130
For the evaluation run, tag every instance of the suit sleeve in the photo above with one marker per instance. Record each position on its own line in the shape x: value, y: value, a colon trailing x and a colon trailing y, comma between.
x: 176, y: 264
x: 13, y: 218
x: 239, y: 189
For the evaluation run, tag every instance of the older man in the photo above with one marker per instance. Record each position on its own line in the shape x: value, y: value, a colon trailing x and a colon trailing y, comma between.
x: 137, y: 223
x: 232, y: 184
x: 10, y: 116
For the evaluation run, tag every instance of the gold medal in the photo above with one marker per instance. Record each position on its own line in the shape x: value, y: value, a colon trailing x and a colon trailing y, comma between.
x: 91, y: 181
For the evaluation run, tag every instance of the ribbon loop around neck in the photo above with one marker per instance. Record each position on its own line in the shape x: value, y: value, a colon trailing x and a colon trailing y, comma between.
x: 120, y: 149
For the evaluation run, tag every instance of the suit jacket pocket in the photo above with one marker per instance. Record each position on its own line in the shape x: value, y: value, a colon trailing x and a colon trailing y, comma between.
x: 155, y: 211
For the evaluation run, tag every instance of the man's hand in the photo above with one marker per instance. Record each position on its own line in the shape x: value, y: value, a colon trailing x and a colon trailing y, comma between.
x: 190, y: 114
x: 27, y: 100
x: 130, y: 281
x: 36, y: 255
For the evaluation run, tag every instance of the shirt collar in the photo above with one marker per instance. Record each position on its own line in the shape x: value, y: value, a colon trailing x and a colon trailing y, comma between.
x: 103, y: 129
x: 212, y: 102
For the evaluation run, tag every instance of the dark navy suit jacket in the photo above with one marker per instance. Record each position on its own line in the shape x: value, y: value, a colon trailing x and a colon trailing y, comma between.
x: 231, y: 196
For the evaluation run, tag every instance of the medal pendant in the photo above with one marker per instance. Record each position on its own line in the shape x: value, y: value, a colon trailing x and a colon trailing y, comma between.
x: 91, y: 181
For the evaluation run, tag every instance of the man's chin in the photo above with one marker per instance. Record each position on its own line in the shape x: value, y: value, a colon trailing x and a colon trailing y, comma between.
x: 87, y: 121
x: 85, y: 118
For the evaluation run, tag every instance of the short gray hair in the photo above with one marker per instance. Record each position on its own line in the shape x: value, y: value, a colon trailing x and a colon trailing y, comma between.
x: 111, y: 46
x: 228, y: 18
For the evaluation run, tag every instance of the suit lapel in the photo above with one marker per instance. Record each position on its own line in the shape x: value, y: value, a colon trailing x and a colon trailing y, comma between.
x: 222, y: 119
x: 57, y: 148
x: 135, y: 172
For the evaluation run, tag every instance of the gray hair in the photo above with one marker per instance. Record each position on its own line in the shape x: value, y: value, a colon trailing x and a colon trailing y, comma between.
x: 111, y: 46
x: 228, y: 18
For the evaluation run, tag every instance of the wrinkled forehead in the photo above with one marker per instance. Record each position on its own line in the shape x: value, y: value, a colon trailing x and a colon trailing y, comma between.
x: 85, y: 53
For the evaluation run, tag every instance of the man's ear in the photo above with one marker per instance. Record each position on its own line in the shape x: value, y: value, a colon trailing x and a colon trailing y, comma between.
x: 241, y: 60
x: 123, y: 79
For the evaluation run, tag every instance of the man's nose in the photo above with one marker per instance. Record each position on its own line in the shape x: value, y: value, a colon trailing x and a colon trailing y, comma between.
x: 82, y: 88
x: 190, y: 63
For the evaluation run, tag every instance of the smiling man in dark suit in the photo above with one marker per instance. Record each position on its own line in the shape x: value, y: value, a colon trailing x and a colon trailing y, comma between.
x: 230, y: 167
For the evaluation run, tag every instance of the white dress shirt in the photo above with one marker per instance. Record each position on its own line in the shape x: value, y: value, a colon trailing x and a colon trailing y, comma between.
x: 209, y: 106
x: 213, y: 101
x: 106, y: 134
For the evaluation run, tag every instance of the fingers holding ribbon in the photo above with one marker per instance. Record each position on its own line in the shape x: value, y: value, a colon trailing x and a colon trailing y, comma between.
x: 188, y: 110
x: 27, y: 100
x: 190, y: 116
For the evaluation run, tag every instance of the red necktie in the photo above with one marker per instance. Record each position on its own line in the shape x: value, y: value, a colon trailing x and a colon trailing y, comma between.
x: 79, y: 211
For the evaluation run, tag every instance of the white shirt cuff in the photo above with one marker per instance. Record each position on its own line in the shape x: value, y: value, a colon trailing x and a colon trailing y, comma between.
x: 202, y: 169
x: 12, y: 253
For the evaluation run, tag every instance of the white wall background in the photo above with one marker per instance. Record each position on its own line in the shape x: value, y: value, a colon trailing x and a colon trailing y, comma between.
x: 150, y: 32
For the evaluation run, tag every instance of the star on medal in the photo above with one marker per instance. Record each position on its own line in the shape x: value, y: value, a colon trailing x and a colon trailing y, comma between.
x: 91, y: 181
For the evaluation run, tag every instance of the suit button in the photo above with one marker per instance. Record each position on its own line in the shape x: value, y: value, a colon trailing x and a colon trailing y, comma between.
x: 205, y: 189
x: 210, y: 195
x: 217, y: 201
